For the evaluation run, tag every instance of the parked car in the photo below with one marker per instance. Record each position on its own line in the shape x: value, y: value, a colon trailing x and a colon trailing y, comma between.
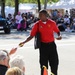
x: 4, y: 25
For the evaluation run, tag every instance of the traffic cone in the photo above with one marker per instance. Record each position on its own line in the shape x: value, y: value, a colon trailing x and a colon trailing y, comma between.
x: 45, y: 72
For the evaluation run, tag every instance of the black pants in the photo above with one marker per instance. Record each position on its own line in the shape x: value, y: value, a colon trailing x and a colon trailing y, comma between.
x: 48, y: 53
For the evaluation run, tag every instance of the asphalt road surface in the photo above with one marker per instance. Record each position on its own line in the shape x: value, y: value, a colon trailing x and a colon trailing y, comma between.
x: 65, y: 47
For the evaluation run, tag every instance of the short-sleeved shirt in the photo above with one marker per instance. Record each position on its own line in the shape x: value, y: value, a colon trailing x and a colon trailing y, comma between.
x: 46, y: 30
x: 18, y: 18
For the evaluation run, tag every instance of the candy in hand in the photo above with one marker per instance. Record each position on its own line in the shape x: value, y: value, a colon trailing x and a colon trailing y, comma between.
x: 21, y: 44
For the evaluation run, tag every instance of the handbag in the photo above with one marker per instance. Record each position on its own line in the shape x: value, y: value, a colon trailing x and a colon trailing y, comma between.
x: 37, y: 41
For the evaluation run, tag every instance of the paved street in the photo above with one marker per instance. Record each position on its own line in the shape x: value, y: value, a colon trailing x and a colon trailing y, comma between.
x: 65, y: 47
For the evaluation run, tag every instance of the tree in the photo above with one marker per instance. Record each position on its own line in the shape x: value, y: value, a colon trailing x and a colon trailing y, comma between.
x: 28, y: 1
x: 16, y: 6
x: 45, y: 4
x: 2, y: 8
x: 49, y: 1
x: 10, y: 3
x: 54, y: 1
x: 39, y: 5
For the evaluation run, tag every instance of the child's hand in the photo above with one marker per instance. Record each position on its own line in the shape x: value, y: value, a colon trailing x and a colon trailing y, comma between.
x: 13, y: 50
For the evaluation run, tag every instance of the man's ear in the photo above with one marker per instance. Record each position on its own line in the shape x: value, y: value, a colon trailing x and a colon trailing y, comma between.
x: 6, y: 63
x: 4, y: 60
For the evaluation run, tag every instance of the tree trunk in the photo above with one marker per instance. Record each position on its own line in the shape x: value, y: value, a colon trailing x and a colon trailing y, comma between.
x: 45, y: 4
x: 39, y: 5
x: 16, y: 7
x: 3, y: 8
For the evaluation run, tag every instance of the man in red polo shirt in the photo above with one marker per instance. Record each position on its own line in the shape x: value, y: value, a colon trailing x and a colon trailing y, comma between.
x: 47, y: 50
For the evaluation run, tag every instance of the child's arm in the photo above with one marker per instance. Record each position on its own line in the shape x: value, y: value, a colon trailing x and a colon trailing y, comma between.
x: 12, y: 51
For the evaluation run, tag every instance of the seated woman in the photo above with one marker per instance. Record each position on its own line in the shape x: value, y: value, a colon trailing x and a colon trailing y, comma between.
x: 22, y: 24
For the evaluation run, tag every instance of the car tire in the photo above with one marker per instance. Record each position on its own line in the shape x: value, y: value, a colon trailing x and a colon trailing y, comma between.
x: 7, y: 30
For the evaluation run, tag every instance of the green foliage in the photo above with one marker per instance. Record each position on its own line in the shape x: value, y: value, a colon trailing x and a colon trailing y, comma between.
x: 28, y: 1
x: 11, y: 2
x: 54, y: 1
x: 49, y: 1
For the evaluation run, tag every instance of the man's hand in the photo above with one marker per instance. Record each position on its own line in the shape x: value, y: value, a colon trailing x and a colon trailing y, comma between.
x: 13, y: 50
x: 27, y: 40
x: 59, y: 38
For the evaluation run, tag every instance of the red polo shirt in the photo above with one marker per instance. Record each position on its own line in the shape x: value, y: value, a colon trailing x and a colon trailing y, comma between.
x: 46, y: 30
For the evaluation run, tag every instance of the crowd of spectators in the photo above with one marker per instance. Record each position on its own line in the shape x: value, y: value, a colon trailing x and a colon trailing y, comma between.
x: 65, y: 22
x: 11, y: 66
x: 21, y: 21
x: 15, y: 65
